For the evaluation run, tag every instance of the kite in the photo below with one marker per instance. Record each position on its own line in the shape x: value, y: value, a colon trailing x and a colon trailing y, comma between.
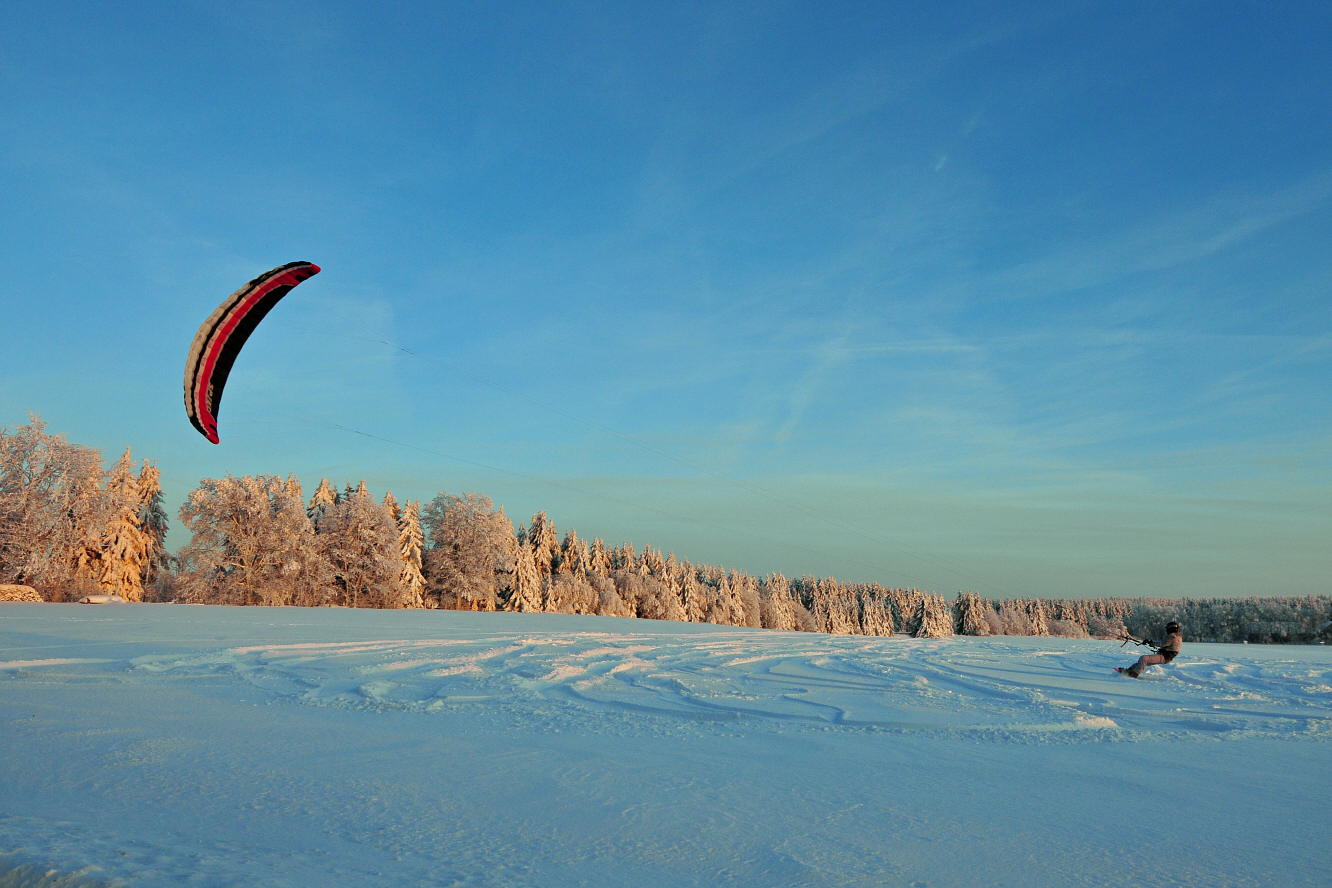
x: 221, y: 337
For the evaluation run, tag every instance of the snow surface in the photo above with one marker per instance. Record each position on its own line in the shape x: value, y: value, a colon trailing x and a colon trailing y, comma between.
x: 165, y: 745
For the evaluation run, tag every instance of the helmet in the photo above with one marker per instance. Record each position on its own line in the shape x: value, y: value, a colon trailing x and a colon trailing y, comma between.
x: 1172, y: 626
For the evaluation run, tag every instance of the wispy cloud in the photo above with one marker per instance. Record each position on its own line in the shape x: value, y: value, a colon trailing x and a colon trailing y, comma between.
x: 1165, y: 241
x: 827, y: 358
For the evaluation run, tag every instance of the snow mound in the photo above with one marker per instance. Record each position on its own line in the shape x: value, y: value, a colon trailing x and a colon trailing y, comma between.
x: 11, y: 592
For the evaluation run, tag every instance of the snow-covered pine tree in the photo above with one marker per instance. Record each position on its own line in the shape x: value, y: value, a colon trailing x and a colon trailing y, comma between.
x: 936, y: 621
x: 729, y: 611
x: 1067, y: 618
x: 301, y: 575
x: 391, y: 506
x: 1014, y: 618
x: 745, y: 592
x: 648, y: 596
x: 652, y: 564
x: 623, y: 557
x: 807, y: 592
x: 876, y: 615
x: 153, y: 521
x: 525, y: 593
x: 1038, y: 617
x: 693, y: 599
x: 544, y: 542
x: 905, y: 607
x: 598, y: 559
x: 843, y: 609
x: 574, y: 556
x: 124, y: 548
x: 777, y: 607
x: 969, y: 613
x: 87, y: 521
x: 360, y: 541
x: 323, y: 499
x: 411, y: 546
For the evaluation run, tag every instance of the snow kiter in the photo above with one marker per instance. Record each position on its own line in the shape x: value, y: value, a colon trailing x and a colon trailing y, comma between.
x: 221, y: 337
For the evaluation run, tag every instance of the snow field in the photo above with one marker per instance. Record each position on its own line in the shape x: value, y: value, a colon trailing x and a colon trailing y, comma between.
x: 172, y: 745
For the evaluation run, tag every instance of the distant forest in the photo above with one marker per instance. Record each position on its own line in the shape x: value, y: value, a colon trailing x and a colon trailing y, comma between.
x: 70, y: 529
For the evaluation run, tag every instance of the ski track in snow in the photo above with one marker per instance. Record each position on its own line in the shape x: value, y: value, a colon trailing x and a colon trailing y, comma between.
x: 1001, y: 690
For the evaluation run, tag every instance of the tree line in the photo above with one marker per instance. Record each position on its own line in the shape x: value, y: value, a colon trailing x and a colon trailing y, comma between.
x: 70, y: 529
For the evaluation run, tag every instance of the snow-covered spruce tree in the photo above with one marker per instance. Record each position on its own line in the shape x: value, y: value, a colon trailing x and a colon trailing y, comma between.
x: 471, y: 553
x: 251, y: 543
x: 720, y: 610
x: 652, y: 564
x: 567, y: 594
x: 322, y: 500
x: 969, y: 614
x: 936, y: 621
x: 803, y: 590
x: 411, y: 548
x: 693, y: 599
x: 125, y: 547
x: 1038, y: 618
x: 153, y: 520
x: 359, y: 540
x: 544, y: 542
x: 745, y: 591
x: 525, y: 593
x: 623, y: 557
x: 843, y: 611
x: 776, y: 606
x: 598, y: 559
x: 650, y: 598
x: 905, y: 606
x: 391, y: 506
x: 1067, y: 619
x: 876, y: 615
x: 1014, y: 617
x: 609, y: 604
x: 90, y: 526
x: 574, y: 557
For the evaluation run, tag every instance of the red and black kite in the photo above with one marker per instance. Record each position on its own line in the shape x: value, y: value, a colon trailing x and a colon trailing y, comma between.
x: 221, y: 337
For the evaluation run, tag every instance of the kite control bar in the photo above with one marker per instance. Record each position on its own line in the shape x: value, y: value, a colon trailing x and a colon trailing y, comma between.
x: 1138, y: 641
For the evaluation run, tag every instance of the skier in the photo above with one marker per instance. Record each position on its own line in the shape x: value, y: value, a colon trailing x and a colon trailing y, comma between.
x: 1165, y: 652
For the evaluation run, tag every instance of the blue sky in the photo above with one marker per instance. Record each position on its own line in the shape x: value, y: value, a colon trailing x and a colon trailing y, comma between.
x: 1003, y: 297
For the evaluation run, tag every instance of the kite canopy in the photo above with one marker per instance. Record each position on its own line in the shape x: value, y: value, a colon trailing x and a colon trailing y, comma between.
x: 221, y: 337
